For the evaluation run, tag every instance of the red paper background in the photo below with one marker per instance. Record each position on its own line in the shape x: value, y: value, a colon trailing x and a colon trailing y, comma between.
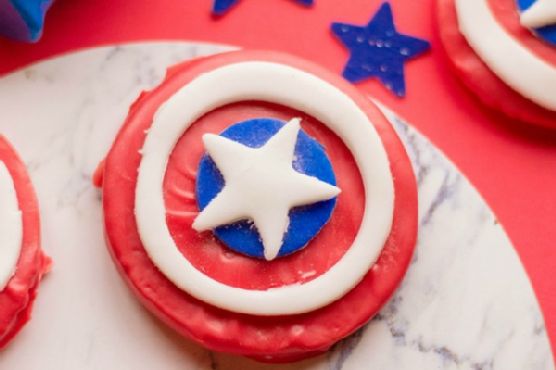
x: 513, y: 166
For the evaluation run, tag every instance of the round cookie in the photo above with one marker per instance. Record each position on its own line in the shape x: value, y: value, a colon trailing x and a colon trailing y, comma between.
x: 267, y: 329
x: 23, y: 263
x: 520, y: 93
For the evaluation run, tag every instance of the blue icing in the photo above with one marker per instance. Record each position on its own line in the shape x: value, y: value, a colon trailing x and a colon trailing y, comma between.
x: 305, y: 222
x: 378, y: 50
x: 547, y: 33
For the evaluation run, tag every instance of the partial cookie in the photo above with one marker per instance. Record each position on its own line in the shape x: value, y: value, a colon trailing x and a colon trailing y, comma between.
x: 504, y: 55
x: 22, y: 262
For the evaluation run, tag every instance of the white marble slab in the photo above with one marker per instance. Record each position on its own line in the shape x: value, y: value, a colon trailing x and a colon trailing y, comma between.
x: 466, y: 302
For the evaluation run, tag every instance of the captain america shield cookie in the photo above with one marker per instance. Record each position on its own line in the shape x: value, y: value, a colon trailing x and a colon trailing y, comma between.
x: 22, y: 262
x: 259, y: 205
x: 504, y: 51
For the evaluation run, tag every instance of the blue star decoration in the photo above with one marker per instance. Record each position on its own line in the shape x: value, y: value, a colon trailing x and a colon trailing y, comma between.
x: 378, y: 50
x: 222, y: 6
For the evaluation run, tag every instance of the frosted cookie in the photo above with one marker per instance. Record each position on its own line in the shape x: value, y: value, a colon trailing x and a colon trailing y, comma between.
x: 259, y: 205
x: 22, y: 263
x: 505, y: 52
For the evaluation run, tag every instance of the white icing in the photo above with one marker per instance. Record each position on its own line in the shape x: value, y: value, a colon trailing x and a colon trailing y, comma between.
x: 281, y: 84
x: 541, y: 13
x: 11, y: 227
x: 260, y: 185
x: 512, y: 62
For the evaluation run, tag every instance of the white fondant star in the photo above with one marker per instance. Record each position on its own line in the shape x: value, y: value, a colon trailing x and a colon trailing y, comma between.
x: 541, y: 13
x: 260, y: 185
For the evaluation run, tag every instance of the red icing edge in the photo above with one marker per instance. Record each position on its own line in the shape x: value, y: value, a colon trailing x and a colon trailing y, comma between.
x: 270, y: 339
x: 16, y: 299
x: 477, y: 76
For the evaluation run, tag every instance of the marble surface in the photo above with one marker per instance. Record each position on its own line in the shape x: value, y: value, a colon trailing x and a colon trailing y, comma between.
x: 466, y: 302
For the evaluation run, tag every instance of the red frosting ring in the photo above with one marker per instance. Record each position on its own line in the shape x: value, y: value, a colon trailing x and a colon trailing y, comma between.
x: 273, y: 339
x: 213, y: 258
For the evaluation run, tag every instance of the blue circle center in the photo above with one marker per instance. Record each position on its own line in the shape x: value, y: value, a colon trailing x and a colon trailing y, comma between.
x: 547, y: 33
x: 305, y: 222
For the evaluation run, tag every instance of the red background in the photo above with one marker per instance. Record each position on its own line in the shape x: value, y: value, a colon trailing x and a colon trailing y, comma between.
x: 513, y: 166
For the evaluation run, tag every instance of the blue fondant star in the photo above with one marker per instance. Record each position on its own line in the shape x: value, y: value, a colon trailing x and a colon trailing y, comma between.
x: 378, y: 50
x: 222, y: 6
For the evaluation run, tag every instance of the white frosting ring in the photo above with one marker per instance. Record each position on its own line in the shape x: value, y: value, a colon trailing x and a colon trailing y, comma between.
x: 281, y: 84
x: 512, y: 62
x: 11, y: 227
